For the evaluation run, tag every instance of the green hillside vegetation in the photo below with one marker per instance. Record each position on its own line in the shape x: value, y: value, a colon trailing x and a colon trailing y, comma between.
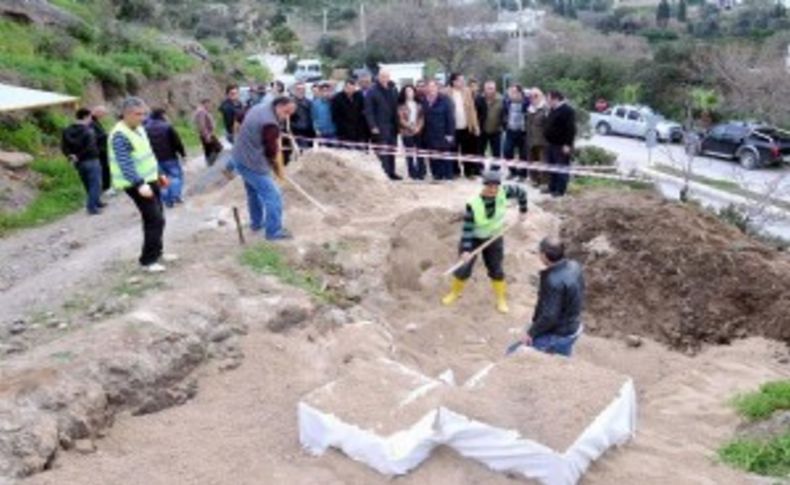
x: 120, y: 58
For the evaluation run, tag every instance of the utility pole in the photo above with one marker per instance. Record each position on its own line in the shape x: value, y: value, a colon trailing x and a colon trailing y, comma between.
x: 520, y: 36
x: 326, y: 20
x: 362, y: 28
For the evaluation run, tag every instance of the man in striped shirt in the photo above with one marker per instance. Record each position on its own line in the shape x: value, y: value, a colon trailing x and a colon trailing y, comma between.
x: 484, y: 220
x: 133, y: 169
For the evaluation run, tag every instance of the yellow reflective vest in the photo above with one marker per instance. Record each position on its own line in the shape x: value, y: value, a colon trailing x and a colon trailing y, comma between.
x: 142, y: 155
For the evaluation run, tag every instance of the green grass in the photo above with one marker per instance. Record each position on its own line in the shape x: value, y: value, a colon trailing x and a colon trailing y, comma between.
x: 67, y: 62
x: 770, y: 458
x: 267, y: 259
x: 771, y: 397
x: 581, y: 184
x: 60, y: 193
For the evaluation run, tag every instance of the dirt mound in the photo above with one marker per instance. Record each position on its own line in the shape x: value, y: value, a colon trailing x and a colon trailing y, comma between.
x: 675, y: 272
x: 337, y: 180
x: 424, y: 243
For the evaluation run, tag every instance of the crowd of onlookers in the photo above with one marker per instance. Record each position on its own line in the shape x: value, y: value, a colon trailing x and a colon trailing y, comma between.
x: 445, y: 131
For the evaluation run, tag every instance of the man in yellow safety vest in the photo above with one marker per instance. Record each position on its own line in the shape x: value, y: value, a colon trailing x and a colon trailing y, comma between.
x: 485, y: 219
x: 133, y: 169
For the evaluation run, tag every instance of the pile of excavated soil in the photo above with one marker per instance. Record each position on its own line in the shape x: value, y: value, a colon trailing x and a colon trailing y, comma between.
x: 338, y: 181
x: 675, y: 273
x: 422, y: 239
x: 548, y: 399
x: 381, y: 396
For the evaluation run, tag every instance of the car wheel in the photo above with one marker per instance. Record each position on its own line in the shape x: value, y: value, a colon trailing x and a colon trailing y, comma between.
x: 603, y: 129
x: 748, y: 159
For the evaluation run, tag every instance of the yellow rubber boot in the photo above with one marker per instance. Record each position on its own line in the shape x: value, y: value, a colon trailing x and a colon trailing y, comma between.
x: 456, y: 288
x: 500, y: 290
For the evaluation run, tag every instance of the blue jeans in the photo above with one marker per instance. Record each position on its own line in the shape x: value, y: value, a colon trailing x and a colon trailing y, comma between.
x: 263, y: 199
x: 90, y: 174
x: 555, y: 344
x: 175, y: 175
x: 415, y: 163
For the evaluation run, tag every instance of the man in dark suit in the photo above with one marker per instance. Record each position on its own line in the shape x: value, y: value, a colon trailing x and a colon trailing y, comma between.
x: 381, y: 112
x: 560, y: 133
x: 348, y: 114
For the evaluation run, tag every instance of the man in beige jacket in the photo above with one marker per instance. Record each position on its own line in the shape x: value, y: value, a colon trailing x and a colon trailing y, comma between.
x: 467, y: 128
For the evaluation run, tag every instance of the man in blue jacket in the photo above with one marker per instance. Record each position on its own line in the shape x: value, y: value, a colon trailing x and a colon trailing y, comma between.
x: 323, y: 124
x: 439, y: 130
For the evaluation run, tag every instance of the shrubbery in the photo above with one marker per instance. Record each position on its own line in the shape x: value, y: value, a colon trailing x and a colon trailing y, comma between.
x: 54, y: 60
x: 594, y: 156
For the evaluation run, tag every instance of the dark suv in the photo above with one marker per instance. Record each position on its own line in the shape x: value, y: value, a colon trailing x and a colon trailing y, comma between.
x: 753, y: 145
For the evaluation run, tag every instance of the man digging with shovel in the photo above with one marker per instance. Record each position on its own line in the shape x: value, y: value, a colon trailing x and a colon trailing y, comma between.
x: 484, y: 226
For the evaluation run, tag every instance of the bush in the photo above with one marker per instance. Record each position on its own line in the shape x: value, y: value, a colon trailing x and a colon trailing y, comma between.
x: 772, y: 396
x: 594, y: 156
x: 654, y: 36
x: 331, y: 46
x: 735, y: 216
x: 771, y: 458
x: 102, y: 68
x: 24, y: 136
x: 60, y: 193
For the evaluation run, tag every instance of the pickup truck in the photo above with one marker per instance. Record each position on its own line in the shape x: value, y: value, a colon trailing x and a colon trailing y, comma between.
x: 635, y: 121
x: 752, y: 145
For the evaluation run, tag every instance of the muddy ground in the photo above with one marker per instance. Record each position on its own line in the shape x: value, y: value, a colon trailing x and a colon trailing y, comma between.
x: 193, y: 377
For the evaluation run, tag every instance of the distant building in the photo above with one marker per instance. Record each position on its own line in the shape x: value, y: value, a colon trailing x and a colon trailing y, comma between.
x: 405, y: 73
x: 527, y: 21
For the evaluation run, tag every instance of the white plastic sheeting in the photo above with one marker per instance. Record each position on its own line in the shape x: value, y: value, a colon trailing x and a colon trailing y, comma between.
x: 499, y: 449
x: 14, y: 98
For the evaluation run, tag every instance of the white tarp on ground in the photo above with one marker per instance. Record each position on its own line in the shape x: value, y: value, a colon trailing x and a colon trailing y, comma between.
x: 502, y: 450
x: 14, y: 98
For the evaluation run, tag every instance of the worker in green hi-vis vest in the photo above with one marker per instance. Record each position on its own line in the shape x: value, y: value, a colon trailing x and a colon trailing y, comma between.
x: 484, y: 219
x: 133, y: 169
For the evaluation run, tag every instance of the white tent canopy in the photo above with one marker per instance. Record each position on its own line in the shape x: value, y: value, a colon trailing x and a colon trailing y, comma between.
x: 15, y: 98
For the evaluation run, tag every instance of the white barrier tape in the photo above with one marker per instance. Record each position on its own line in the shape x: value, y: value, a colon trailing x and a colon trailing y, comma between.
x: 379, y: 149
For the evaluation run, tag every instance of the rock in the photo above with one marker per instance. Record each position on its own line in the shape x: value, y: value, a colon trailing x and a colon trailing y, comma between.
x: 15, y: 160
x: 337, y: 316
x: 53, y: 322
x: 17, y: 327
x: 63, y: 326
x: 134, y: 280
x: 633, y: 341
x: 14, y: 346
x: 38, y: 12
x: 783, y: 360
x: 220, y: 333
x: 85, y: 447
x: 412, y: 327
x: 74, y: 245
x: 288, y: 317
x: 30, y: 438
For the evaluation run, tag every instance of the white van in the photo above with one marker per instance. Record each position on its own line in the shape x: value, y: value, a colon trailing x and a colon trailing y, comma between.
x: 308, y: 70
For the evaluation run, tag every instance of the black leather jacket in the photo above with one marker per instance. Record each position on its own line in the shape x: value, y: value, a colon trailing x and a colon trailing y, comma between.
x: 560, y: 300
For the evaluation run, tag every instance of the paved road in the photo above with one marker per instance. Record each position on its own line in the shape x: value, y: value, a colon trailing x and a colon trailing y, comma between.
x: 633, y: 153
x: 775, y: 182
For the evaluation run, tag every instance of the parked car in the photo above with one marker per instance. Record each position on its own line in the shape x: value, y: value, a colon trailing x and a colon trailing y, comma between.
x: 753, y: 145
x: 635, y: 121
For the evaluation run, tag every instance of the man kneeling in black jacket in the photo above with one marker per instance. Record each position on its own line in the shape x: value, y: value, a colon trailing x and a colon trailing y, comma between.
x: 80, y: 146
x: 556, y: 324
